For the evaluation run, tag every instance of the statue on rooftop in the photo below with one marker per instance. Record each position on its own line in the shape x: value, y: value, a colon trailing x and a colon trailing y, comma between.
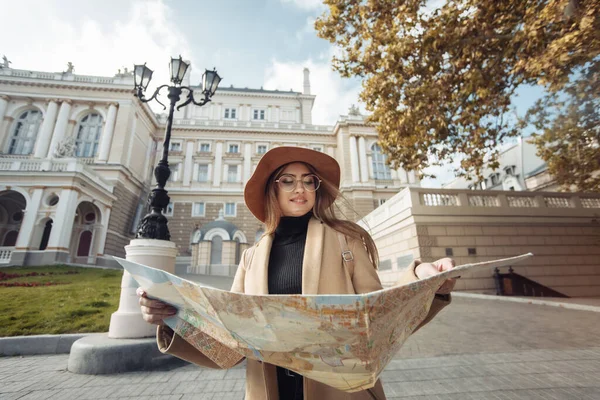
x: 70, y: 67
x: 5, y: 62
x: 353, y: 110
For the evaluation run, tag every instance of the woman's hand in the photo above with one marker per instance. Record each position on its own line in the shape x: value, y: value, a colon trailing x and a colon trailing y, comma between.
x: 425, y: 270
x: 154, y: 311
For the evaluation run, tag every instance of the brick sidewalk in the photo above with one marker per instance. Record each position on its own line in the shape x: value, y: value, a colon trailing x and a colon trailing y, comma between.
x: 476, y: 349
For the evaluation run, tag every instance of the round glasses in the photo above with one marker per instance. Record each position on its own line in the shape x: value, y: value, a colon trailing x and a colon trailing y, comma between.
x: 288, y: 183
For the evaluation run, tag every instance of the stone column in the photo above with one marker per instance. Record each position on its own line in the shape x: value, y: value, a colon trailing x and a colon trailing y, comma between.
x: 3, y: 126
x: 29, y: 219
x: 354, y: 159
x: 127, y: 321
x: 102, y: 234
x: 402, y: 176
x: 60, y: 128
x: 247, y: 161
x: 62, y: 225
x: 218, y: 163
x: 3, y: 106
x: 45, y: 135
x: 362, y: 156
x: 187, y: 168
x: 107, y: 135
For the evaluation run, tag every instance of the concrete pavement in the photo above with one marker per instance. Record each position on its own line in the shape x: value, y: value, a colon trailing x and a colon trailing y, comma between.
x: 475, y: 349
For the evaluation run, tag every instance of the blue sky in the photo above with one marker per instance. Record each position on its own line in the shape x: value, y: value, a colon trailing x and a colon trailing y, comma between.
x: 252, y: 43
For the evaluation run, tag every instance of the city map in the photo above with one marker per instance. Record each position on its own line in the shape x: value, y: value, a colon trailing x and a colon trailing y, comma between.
x: 344, y: 341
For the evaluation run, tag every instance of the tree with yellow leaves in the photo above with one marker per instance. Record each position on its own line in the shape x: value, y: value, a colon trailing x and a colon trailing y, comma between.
x: 439, y: 82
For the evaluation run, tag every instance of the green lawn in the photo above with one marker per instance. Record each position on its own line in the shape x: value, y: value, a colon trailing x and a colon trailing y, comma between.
x: 81, y: 302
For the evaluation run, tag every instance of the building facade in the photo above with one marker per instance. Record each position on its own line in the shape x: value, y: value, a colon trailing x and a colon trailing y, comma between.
x: 520, y: 169
x: 77, y: 154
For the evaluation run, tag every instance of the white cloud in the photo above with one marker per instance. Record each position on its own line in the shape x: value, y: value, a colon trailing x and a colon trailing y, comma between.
x: 306, y: 5
x: 49, y: 36
x: 334, y: 94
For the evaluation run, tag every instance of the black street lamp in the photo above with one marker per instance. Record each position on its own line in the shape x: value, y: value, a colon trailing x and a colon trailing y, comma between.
x: 154, y: 224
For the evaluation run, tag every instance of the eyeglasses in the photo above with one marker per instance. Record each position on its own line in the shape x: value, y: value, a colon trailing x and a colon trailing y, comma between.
x: 288, y: 183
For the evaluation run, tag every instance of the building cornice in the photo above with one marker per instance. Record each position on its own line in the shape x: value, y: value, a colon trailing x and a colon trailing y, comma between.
x: 67, y: 85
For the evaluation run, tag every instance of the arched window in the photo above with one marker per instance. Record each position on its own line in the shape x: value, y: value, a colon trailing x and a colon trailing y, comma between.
x: 380, y: 167
x: 88, y: 135
x: 25, y: 132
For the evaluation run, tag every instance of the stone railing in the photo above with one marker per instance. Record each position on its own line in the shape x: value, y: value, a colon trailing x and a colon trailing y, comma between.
x: 5, y: 254
x: 497, y: 199
x: 252, y: 124
x: 446, y: 203
x: 69, y: 77
x: 72, y: 165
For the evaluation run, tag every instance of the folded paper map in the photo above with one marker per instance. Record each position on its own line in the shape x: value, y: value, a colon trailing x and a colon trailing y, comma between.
x: 344, y: 341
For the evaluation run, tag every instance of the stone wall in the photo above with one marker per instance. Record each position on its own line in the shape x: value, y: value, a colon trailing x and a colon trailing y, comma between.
x: 121, y: 219
x: 561, y: 230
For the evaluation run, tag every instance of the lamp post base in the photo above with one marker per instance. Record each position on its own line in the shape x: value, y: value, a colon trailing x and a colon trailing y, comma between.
x: 127, y: 321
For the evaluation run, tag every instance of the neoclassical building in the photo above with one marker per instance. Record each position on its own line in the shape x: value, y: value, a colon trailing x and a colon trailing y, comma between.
x: 77, y: 154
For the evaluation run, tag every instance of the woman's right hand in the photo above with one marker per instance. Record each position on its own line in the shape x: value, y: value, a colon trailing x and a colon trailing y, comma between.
x: 154, y: 311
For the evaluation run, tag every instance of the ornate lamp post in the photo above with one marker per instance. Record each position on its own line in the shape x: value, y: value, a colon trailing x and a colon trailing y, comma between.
x: 154, y: 224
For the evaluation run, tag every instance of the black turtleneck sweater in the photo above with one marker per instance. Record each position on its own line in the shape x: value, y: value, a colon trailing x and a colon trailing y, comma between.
x: 285, y: 277
x: 287, y: 252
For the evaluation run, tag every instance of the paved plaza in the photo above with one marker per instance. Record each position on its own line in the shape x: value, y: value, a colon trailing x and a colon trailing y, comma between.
x: 475, y: 349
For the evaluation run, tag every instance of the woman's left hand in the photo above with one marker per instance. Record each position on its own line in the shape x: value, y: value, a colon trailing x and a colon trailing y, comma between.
x: 425, y: 270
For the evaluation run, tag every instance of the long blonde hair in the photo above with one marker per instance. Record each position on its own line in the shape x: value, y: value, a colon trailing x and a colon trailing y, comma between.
x: 327, y: 198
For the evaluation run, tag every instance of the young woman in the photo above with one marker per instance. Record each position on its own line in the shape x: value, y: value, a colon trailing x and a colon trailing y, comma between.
x: 292, y: 192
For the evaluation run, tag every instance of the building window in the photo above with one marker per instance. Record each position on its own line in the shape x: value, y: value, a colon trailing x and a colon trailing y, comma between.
x: 449, y: 252
x: 472, y: 251
x: 234, y: 148
x: 232, y: 173
x: 317, y: 148
x: 288, y: 115
x: 380, y: 167
x: 88, y: 135
x: 198, y: 210
x: 381, y: 201
x: 230, y: 209
x: 203, y: 173
x: 205, y: 147
x: 483, y: 184
x: 175, y: 146
x: 25, y: 132
x: 510, y: 170
x: 495, y: 178
x: 259, y: 114
x: 230, y: 113
x: 174, y: 177
x: 261, y: 149
x: 169, y: 210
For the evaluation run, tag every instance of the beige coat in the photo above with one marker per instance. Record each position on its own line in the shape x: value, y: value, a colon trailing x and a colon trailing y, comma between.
x: 323, y: 272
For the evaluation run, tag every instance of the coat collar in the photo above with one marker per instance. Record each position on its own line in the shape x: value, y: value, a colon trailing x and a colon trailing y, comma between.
x: 311, y: 262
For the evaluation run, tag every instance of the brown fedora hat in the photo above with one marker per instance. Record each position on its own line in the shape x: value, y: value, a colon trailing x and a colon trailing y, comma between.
x: 255, y: 191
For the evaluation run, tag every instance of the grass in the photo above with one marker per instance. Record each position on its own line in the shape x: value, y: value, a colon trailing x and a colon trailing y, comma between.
x: 78, y: 303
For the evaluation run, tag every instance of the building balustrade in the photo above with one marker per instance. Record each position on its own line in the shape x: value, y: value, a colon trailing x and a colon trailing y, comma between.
x: 72, y: 165
x: 5, y: 253
x: 124, y: 79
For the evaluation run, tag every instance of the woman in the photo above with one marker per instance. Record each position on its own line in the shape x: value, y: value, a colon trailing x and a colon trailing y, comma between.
x: 292, y: 192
